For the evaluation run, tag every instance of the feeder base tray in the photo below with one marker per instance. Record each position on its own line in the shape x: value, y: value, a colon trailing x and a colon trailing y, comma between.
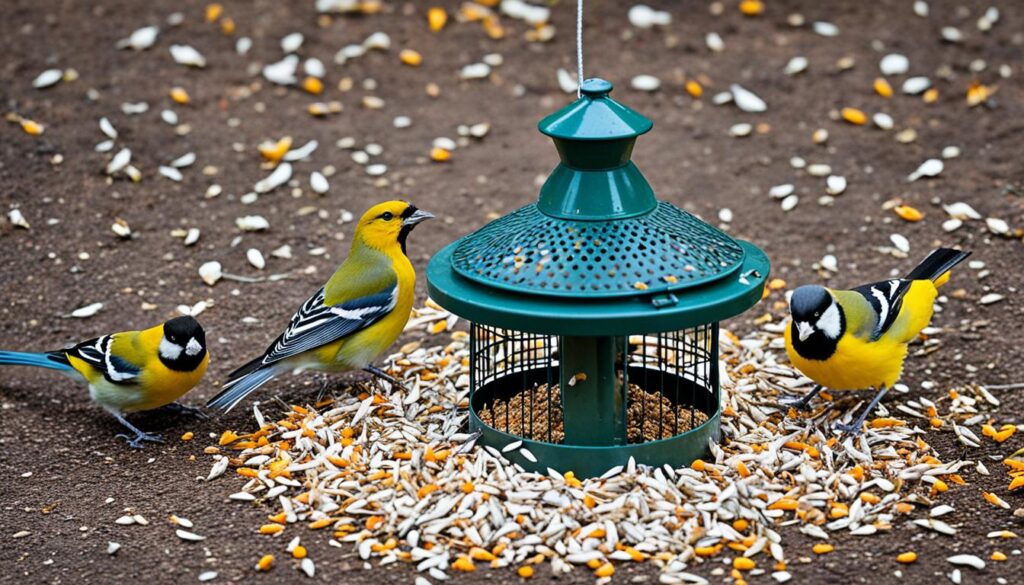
x: 650, y: 416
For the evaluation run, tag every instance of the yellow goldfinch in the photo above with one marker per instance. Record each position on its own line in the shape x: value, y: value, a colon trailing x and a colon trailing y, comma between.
x: 352, y: 319
x: 857, y: 339
x: 133, y: 370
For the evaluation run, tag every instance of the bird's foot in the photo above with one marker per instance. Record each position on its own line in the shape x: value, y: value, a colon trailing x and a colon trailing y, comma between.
x: 139, y: 440
x: 395, y: 382
x: 800, y: 403
x: 179, y: 408
x: 852, y: 430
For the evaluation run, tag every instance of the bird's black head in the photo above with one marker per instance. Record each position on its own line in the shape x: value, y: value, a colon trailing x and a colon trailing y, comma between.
x: 818, y: 321
x: 183, y: 346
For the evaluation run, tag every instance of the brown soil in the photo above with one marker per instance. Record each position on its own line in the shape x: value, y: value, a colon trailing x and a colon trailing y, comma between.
x: 66, y: 478
x: 650, y: 416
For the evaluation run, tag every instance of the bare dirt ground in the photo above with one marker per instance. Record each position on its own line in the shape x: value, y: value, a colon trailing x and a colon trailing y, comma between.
x: 65, y: 478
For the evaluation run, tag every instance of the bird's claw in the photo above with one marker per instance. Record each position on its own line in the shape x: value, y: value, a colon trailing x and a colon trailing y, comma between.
x: 379, y: 373
x: 138, y: 441
x: 800, y: 403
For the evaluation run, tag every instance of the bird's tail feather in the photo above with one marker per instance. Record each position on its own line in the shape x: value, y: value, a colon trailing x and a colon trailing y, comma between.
x: 937, y: 265
x: 53, y: 360
x: 239, y: 387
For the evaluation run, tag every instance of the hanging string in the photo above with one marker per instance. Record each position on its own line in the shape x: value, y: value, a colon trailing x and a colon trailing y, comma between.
x: 579, y: 48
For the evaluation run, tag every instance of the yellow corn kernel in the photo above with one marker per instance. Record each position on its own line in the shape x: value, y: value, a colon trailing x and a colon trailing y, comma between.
x: 266, y: 562
x: 1017, y: 483
x: 978, y: 93
x: 939, y: 486
x: 480, y: 554
x: 494, y: 29
x: 31, y: 127
x: 823, y: 549
x: 188, y: 436
x: 698, y: 465
x: 427, y: 490
x: 743, y: 563
x: 741, y: 468
x: 1004, y: 434
x: 693, y: 88
x: 740, y: 525
x: 931, y: 96
x: 410, y: 57
x: 437, y: 18
x: 998, y: 556
x: 439, y: 154
x: 783, y: 504
x: 904, y: 508
x: 525, y: 572
x: 271, y: 528
x: 227, y: 26
x: 883, y: 88
x: 605, y: 570
x: 463, y: 564
x: 589, y: 501
x: 299, y: 552
x: 908, y: 213
x: 213, y: 12
x: 869, y: 498
x: 855, y: 116
x: 313, y: 85
x: 906, y: 558
x: 857, y: 472
x: 838, y: 510
x: 321, y: 523
x: 707, y: 551
x: 752, y: 7
x: 179, y: 95
x: 881, y: 423
x: 274, y: 152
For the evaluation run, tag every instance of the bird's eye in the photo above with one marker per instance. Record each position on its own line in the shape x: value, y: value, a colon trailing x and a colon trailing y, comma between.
x: 817, y: 313
x: 387, y: 216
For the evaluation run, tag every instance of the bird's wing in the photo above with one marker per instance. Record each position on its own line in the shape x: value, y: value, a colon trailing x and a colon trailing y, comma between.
x: 98, y: 354
x: 886, y: 301
x: 317, y: 324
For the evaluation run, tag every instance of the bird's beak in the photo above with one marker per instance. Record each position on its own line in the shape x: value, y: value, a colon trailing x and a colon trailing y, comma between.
x: 193, y: 347
x: 804, y: 330
x: 417, y: 217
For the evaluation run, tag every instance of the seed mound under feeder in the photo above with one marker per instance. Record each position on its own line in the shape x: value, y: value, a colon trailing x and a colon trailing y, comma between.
x: 594, y: 311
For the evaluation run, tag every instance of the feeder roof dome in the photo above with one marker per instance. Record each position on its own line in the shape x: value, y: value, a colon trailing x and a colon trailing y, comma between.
x: 595, y: 116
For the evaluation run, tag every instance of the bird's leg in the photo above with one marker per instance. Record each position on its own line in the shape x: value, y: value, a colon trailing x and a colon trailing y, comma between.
x: 179, y: 408
x: 855, y: 429
x: 323, y: 388
x: 384, y: 376
x: 802, y: 402
x: 140, y: 437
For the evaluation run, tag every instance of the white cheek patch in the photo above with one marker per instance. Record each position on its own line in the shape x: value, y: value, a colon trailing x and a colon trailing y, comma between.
x: 170, y: 351
x: 830, y: 323
x: 193, y: 347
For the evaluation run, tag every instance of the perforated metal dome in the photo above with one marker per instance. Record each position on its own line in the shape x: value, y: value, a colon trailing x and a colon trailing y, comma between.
x: 665, y: 250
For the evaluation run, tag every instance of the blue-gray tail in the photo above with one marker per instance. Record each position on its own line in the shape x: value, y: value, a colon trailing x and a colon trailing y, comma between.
x: 54, y: 360
x: 939, y: 262
x: 239, y: 387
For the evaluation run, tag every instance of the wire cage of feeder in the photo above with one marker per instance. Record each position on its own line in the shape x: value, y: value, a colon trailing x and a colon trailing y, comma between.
x: 594, y: 311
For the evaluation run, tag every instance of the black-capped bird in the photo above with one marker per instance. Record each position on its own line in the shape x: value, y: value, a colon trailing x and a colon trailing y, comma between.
x: 857, y: 339
x: 133, y: 370
x: 352, y: 319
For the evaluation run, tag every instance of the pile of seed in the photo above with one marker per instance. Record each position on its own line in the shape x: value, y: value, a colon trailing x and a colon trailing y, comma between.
x: 650, y: 416
x: 394, y: 476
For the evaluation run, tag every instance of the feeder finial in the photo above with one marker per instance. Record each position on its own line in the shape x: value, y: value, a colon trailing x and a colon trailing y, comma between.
x: 596, y: 179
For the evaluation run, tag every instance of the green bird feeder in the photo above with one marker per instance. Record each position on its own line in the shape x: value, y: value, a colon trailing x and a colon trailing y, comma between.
x: 594, y: 312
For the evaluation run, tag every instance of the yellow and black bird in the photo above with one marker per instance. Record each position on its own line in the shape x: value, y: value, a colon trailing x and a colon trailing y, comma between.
x: 857, y: 339
x: 352, y: 319
x: 133, y: 370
